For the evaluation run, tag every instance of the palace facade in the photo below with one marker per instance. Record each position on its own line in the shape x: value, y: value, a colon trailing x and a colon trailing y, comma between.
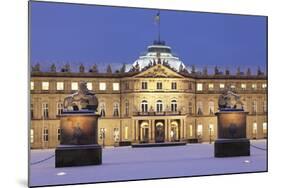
x: 156, y: 99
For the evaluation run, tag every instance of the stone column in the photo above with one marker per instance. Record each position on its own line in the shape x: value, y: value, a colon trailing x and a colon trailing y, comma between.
x: 169, y: 130
x: 181, y: 129
x: 153, y: 130
x: 149, y: 130
x: 134, y: 131
x: 137, y: 131
x: 166, y: 131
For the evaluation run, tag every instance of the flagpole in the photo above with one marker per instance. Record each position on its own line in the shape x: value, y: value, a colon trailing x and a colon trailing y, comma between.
x: 157, y: 20
x: 159, y: 27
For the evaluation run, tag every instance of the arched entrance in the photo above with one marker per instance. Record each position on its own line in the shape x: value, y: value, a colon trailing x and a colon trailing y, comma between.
x: 144, y: 132
x: 175, y: 131
x: 159, y: 131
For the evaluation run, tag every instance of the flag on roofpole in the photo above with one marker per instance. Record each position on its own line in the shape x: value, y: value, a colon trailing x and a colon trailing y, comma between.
x: 157, y: 20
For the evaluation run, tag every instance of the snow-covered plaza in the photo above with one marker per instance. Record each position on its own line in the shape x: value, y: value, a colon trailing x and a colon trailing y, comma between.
x: 127, y: 163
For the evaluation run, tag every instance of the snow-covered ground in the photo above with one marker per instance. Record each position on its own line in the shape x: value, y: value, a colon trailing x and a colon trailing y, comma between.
x: 126, y: 163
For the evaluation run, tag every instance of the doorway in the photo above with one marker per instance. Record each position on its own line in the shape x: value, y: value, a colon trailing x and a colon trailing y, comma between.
x: 144, y: 132
x: 159, y: 131
x: 175, y: 131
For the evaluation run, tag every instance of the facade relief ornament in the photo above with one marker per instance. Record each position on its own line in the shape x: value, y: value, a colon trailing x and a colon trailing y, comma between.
x: 158, y: 72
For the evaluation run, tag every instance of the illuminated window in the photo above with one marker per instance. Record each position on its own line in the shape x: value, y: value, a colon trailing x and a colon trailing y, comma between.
x: 254, y: 86
x: 45, y: 86
x: 174, y: 106
x: 243, y: 86
x: 60, y: 86
x: 115, y: 109
x: 59, y: 108
x: 90, y: 85
x: 199, y: 87
x: 45, y: 110
x: 31, y: 85
x: 59, y: 133
x: 143, y: 85
x: 211, y: 107
x: 126, y: 133
x: 211, y: 86
x: 222, y: 86
x: 74, y: 86
x: 264, y: 127
x: 159, y: 85
x: 115, y: 86
x: 255, y: 128
x: 144, y: 106
x: 102, y: 86
x: 190, y: 131
x: 232, y: 86
x: 159, y: 106
x: 116, y: 134
x: 264, y: 86
x: 199, y: 130
x: 45, y: 135
x: 199, y: 108
x: 31, y: 135
x: 174, y: 85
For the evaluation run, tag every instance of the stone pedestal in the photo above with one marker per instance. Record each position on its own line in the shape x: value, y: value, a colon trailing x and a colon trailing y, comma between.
x: 78, y: 144
x: 232, y: 139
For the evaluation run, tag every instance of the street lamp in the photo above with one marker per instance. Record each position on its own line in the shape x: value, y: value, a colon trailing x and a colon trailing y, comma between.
x: 103, y: 136
x: 210, y: 135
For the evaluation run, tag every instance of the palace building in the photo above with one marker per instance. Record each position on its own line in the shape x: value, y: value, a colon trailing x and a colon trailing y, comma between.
x: 156, y: 99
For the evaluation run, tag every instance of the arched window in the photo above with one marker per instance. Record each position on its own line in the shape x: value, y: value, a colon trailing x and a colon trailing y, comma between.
x: 174, y: 106
x: 244, y: 104
x: 211, y: 107
x: 254, y: 107
x: 127, y: 108
x: 45, y: 110
x: 199, y: 130
x: 116, y: 109
x: 159, y: 106
x: 144, y: 106
x: 264, y: 106
x: 199, y: 108
x: 59, y: 108
x: 190, y: 111
x: 102, y: 109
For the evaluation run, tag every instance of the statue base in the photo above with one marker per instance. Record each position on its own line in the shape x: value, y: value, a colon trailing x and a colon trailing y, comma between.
x: 232, y: 147
x: 78, y: 155
x: 78, y: 143
x: 232, y: 139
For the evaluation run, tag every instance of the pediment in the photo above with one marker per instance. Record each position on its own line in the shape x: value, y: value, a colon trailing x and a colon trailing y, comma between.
x: 158, y: 71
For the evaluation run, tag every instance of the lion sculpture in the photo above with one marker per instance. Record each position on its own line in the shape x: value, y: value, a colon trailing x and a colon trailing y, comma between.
x: 83, y: 99
x: 230, y: 100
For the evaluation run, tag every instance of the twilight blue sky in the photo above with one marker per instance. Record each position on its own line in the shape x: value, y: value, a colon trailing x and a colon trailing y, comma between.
x: 78, y: 34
